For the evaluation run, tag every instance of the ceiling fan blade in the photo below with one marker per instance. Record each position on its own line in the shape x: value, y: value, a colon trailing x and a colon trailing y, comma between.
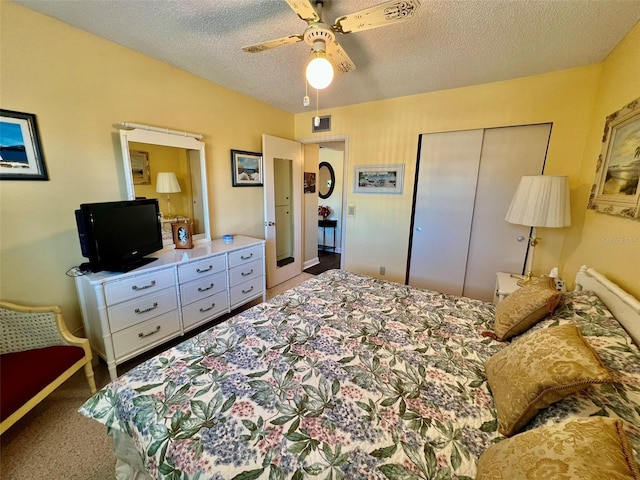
x: 304, y: 9
x: 339, y: 58
x: 383, y: 14
x: 259, y: 47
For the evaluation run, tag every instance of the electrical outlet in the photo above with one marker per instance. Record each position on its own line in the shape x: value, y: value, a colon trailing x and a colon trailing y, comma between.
x: 351, y: 211
x: 382, y: 270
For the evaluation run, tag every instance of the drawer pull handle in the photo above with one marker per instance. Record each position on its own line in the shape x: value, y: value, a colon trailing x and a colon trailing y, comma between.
x: 200, y: 289
x: 155, y: 305
x: 142, y: 335
x: 204, y: 270
x: 246, y: 274
x: 242, y: 257
x: 247, y: 291
x: 202, y: 310
x: 136, y: 287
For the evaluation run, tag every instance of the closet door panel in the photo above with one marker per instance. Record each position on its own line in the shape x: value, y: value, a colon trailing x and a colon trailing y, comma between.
x: 507, y: 154
x: 446, y: 185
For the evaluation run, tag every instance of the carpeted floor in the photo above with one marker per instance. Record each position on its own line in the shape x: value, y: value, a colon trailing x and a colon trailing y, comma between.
x: 54, y: 441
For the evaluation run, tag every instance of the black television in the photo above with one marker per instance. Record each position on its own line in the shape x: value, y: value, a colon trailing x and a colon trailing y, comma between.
x: 117, y: 236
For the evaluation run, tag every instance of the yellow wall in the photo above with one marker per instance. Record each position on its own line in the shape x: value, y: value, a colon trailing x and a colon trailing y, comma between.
x: 576, y: 101
x: 311, y: 161
x: 610, y: 244
x: 80, y: 86
x: 387, y: 132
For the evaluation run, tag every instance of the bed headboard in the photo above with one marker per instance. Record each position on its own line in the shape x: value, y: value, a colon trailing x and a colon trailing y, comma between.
x: 624, y: 306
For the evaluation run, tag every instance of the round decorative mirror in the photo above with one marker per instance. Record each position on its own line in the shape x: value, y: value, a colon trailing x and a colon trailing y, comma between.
x: 326, y: 180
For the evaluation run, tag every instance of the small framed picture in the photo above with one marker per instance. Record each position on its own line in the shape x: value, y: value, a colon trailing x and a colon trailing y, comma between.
x: 246, y: 169
x: 309, y: 182
x: 378, y: 179
x: 140, y: 167
x: 182, y: 234
x: 20, y: 151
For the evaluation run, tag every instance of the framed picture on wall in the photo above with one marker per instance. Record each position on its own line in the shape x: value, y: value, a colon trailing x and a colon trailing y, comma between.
x: 20, y: 151
x: 309, y: 182
x: 378, y: 179
x: 140, y: 167
x: 246, y: 169
x: 615, y: 190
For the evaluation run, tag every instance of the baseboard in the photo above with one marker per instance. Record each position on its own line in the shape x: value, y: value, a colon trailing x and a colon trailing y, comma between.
x: 337, y: 250
x: 310, y: 263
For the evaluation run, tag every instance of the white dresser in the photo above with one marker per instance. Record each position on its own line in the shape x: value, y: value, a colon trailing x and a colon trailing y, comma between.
x: 126, y: 314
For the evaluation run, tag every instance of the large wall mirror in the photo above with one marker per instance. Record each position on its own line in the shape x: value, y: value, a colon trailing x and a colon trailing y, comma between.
x: 171, y: 168
x: 326, y: 180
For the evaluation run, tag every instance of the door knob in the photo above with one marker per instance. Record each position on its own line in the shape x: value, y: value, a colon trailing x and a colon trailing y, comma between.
x: 419, y: 229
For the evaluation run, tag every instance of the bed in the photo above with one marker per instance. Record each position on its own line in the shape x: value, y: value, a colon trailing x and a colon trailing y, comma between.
x: 348, y: 376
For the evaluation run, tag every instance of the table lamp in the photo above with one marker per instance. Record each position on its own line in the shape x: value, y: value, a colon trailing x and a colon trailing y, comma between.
x: 167, y: 183
x: 539, y: 201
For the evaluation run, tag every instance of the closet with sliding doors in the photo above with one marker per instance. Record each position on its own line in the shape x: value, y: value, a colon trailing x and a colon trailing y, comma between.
x: 464, y: 183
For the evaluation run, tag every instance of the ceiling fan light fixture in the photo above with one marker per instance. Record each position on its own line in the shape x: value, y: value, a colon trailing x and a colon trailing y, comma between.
x: 319, y: 71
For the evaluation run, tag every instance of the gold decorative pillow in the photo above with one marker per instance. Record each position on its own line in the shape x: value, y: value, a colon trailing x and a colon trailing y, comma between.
x: 589, y: 449
x: 525, y: 307
x: 539, y: 369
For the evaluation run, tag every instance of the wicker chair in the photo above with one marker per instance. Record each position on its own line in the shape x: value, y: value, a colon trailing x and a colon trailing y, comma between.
x: 37, y: 355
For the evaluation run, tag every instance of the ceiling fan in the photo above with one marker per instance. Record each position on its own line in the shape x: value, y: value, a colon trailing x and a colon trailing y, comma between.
x: 322, y: 37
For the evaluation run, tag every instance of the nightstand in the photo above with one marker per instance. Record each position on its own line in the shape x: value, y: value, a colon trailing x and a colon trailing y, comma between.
x: 506, y: 283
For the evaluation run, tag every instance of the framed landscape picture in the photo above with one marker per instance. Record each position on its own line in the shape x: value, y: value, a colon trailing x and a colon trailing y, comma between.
x: 20, y: 151
x: 615, y: 190
x: 246, y: 169
x: 379, y: 179
x: 140, y: 167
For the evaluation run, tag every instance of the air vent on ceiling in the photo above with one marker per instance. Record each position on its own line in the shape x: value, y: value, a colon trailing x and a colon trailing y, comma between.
x: 323, y: 126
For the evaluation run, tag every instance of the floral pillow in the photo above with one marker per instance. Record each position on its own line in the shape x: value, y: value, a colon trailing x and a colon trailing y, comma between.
x: 538, y: 370
x: 589, y: 449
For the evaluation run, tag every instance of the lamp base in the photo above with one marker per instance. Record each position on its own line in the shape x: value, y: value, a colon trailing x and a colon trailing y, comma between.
x: 524, y: 279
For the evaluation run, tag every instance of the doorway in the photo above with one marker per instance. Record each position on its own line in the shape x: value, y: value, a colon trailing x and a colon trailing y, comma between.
x: 330, y: 160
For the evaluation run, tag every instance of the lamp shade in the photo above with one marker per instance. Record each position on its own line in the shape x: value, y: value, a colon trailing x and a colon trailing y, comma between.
x: 541, y: 201
x: 167, y: 183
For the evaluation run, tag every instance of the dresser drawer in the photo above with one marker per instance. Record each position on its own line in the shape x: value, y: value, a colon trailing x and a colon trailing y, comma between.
x: 240, y: 257
x: 133, y: 287
x: 138, y: 310
x: 246, y: 272
x: 201, y: 268
x: 203, y: 287
x: 142, y: 336
x: 246, y: 291
x: 206, y: 308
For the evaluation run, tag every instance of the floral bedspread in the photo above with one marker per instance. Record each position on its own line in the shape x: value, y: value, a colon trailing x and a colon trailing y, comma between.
x: 345, y: 376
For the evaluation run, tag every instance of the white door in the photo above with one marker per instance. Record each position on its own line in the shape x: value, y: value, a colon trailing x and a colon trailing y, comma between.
x: 464, y: 185
x: 507, y: 154
x: 445, y: 188
x: 282, y: 177
x: 196, y: 193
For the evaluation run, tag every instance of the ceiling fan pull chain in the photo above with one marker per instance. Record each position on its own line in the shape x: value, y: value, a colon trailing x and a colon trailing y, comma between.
x: 316, y: 120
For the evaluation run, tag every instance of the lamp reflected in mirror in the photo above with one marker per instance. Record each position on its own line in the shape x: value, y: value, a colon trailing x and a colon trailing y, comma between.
x: 167, y: 183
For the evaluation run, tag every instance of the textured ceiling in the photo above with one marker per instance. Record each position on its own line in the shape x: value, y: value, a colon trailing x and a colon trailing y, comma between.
x: 449, y: 44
